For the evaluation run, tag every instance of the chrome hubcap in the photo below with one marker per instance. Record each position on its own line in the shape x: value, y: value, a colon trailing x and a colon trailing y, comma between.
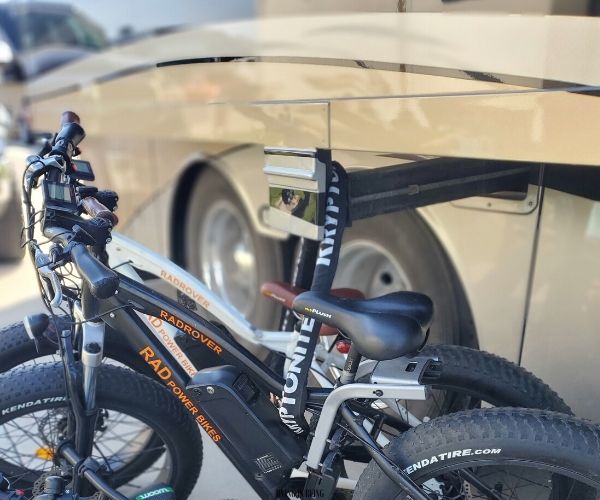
x: 370, y: 268
x: 227, y: 256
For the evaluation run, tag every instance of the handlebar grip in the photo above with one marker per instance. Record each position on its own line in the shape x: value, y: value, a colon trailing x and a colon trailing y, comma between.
x: 70, y: 135
x: 103, y: 282
x: 108, y: 198
x: 69, y: 117
x: 94, y: 208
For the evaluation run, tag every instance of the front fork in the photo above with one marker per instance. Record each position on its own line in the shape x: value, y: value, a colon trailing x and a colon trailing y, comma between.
x: 92, y: 352
x: 82, y: 391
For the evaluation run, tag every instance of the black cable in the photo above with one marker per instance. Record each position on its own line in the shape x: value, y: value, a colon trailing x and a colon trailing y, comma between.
x: 74, y: 288
x: 27, y: 194
x: 26, y: 228
x: 99, y: 316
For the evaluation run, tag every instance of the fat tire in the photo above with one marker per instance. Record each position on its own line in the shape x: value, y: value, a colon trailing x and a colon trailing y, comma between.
x: 118, y: 389
x: 490, y: 378
x: 16, y: 348
x: 481, y: 374
x: 549, y: 438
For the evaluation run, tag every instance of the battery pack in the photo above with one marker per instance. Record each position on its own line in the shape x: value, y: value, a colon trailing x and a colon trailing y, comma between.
x: 249, y: 424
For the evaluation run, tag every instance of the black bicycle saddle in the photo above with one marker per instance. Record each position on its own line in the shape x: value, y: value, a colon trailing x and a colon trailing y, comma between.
x: 382, y: 328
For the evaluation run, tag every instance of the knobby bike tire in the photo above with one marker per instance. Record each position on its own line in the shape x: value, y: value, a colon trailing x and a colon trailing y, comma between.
x: 497, y: 437
x: 33, y: 388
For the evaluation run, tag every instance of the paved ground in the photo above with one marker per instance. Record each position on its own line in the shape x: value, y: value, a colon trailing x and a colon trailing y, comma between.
x: 19, y: 296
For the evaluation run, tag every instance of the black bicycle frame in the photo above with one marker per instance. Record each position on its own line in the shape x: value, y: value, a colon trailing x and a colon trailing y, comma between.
x: 119, y: 313
x: 133, y: 295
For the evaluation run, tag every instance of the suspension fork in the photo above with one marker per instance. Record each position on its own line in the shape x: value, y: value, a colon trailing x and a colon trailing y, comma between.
x: 81, y: 390
x: 81, y: 425
x: 92, y: 352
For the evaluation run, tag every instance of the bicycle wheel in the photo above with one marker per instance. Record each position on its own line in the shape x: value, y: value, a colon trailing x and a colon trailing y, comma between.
x: 467, y: 378
x: 500, y: 454
x: 143, y: 435
x: 17, y: 348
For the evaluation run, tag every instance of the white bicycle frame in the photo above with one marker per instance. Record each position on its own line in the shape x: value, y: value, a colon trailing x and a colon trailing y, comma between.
x: 126, y: 255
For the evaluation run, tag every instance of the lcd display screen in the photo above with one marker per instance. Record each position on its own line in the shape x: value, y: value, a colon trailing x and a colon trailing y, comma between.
x: 59, y: 196
x: 81, y: 170
x: 60, y: 192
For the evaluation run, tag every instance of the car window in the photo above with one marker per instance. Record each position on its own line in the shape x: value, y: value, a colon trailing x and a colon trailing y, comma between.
x: 39, y: 29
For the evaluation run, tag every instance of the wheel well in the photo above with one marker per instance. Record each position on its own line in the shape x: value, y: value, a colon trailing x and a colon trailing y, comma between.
x: 179, y: 210
x: 468, y: 332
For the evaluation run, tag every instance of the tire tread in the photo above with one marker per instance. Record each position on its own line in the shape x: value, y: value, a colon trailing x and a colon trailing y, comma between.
x: 529, y: 429
x: 492, y: 374
x: 125, y: 388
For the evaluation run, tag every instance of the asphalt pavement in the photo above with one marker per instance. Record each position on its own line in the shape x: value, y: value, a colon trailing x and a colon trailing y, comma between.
x: 19, y: 296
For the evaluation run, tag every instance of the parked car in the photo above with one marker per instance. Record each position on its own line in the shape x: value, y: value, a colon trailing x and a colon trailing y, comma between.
x: 35, y: 37
x: 10, y: 201
x: 177, y: 124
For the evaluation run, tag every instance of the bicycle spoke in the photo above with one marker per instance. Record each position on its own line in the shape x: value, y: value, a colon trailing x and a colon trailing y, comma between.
x: 124, y: 439
x: 506, y: 483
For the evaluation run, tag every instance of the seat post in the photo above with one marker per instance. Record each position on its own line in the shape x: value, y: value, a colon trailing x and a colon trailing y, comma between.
x: 351, y: 366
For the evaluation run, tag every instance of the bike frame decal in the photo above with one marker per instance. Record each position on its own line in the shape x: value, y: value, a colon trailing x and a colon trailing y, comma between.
x: 467, y: 452
x: 150, y: 494
x: 166, y: 334
x: 185, y: 288
x: 166, y: 375
x: 191, y: 331
x: 317, y: 312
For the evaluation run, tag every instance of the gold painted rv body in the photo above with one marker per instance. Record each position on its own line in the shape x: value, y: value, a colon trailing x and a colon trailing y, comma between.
x: 378, y: 89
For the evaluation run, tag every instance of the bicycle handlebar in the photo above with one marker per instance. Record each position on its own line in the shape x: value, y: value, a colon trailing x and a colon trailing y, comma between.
x: 103, y: 282
x: 70, y: 135
x: 94, y: 208
x: 69, y: 117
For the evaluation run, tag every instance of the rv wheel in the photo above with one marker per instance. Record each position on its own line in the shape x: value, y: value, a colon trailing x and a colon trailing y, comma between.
x: 222, y: 248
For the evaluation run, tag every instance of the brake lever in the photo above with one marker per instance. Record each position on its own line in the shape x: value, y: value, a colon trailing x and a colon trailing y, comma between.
x: 42, y: 263
x: 37, y: 166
